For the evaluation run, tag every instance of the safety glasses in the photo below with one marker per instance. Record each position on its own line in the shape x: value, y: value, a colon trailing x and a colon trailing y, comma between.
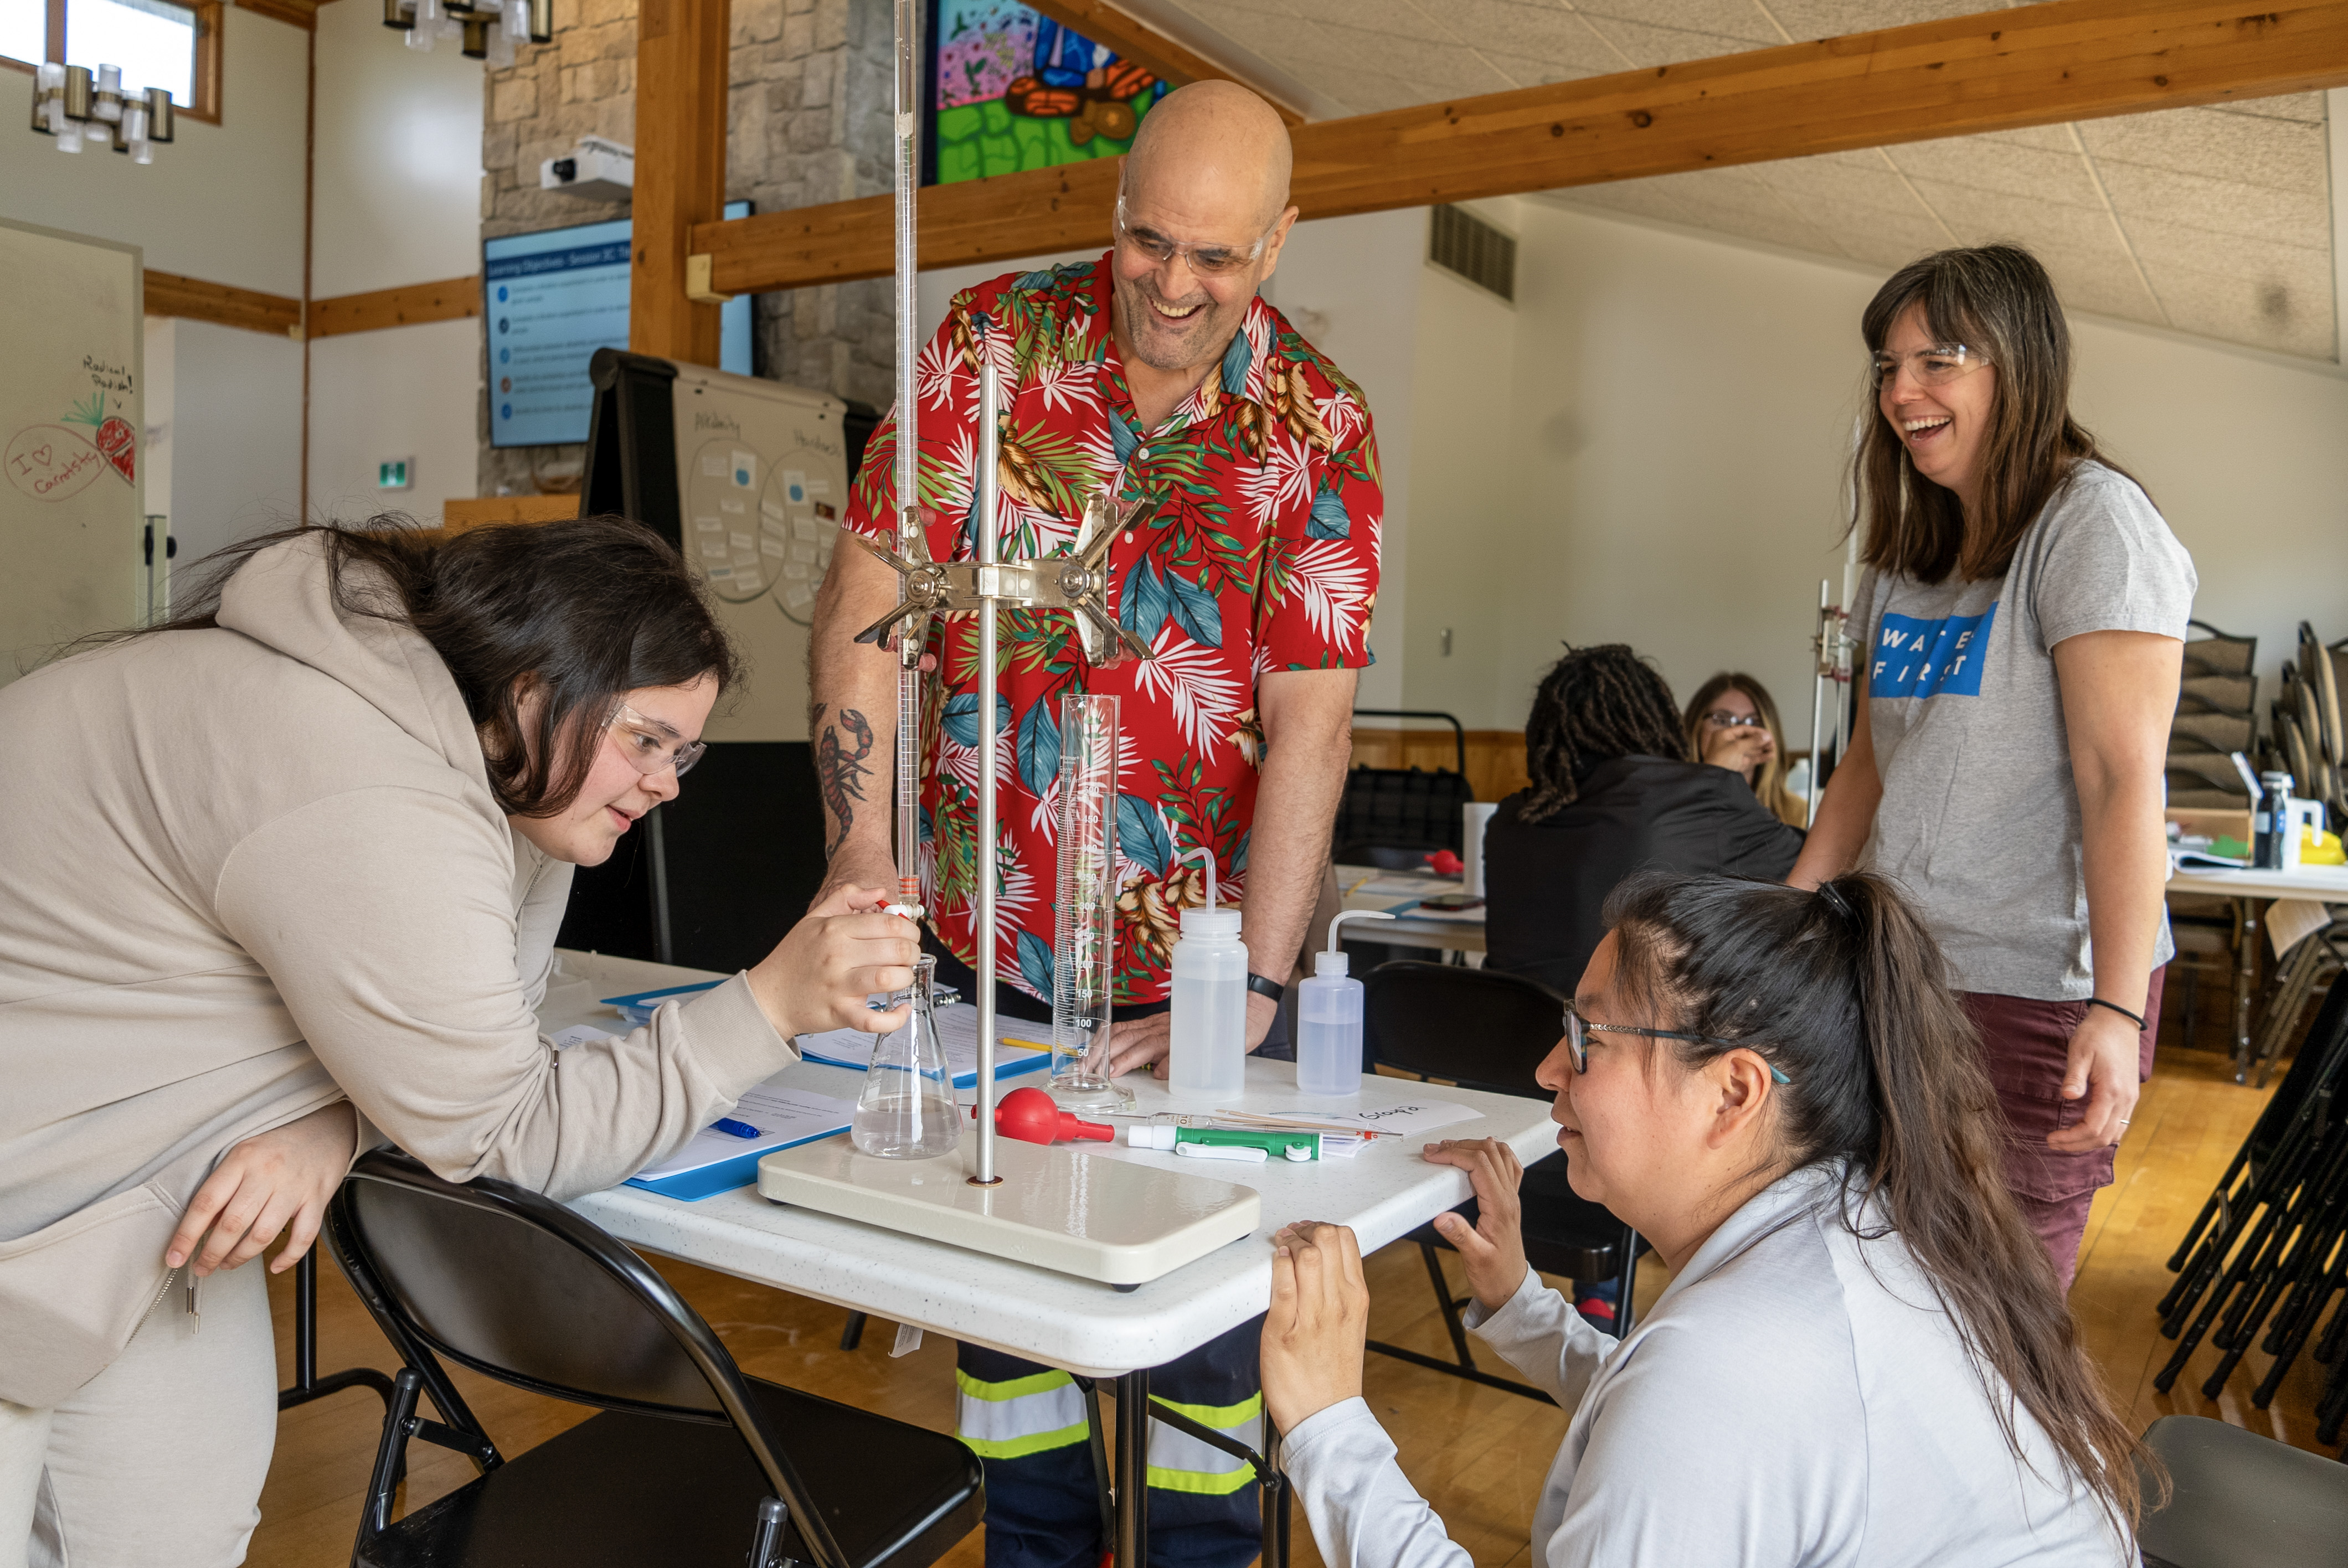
x: 1209, y: 261
x: 1578, y: 1031
x: 1935, y: 366
x: 652, y: 746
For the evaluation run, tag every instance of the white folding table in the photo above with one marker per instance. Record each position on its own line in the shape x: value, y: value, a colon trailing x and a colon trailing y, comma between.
x: 2250, y: 891
x: 1095, y: 1331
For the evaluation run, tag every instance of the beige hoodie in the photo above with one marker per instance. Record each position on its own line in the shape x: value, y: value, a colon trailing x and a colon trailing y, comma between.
x: 244, y: 872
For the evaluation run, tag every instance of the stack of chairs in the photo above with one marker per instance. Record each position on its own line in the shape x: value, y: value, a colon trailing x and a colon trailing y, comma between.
x: 2307, y: 744
x: 2216, y: 700
x: 2269, y: 1249
x: 2216, y: 716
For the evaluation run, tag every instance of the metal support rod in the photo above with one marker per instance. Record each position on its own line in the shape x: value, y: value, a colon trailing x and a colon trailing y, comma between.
x: 1132, y: 1470
x: 1818, y: 708
x: 983, y: 524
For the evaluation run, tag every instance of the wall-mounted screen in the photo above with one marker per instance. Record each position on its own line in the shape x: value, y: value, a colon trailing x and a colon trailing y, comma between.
x: 551, y: 300
x: 1011, y: 89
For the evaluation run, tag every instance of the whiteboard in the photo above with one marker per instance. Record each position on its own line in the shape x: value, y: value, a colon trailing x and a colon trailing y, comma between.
x: 70, y: 418
x: 762, y: 485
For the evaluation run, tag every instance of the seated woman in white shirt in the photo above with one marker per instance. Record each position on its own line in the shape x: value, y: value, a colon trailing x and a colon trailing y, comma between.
x: 1861, y: 1358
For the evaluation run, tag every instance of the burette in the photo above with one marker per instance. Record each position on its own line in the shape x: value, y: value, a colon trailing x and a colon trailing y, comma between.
x: 909, y: 458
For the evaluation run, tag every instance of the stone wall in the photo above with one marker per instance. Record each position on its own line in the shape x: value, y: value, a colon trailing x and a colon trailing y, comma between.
x: 808, y: 123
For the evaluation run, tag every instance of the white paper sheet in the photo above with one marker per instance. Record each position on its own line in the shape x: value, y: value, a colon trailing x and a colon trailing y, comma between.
x: 1405, y: 1118
x: 782, y: 1116
x: 957, y: 1032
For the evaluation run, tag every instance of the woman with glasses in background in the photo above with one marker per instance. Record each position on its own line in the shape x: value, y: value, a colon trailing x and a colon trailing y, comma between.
x: 1861, y: 1359
x: 1731, y: 723
x: 2021, y: 623
x: 280, y: 880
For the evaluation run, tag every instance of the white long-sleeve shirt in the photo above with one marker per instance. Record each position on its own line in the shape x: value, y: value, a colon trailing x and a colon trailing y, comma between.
x: 1797, y: 1396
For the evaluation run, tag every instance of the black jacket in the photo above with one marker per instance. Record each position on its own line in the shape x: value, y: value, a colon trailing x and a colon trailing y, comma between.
x: 1545, y: 883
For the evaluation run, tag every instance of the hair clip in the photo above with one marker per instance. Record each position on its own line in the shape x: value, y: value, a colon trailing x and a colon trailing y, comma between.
x: 1837, y: 902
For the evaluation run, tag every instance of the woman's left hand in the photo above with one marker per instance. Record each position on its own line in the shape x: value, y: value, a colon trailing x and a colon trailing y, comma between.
x: 287, y: 1173
x: 1320, y: 1316
x: 2103, y: 1066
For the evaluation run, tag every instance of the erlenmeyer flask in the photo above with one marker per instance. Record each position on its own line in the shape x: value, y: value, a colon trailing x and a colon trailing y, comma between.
x: 907, y: 1110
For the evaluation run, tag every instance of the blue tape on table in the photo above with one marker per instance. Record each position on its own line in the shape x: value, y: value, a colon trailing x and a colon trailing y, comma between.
x: 637, y: 1006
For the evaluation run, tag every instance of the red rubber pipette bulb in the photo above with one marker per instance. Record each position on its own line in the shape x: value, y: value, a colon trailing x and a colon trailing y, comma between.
x: 1029, y: 1115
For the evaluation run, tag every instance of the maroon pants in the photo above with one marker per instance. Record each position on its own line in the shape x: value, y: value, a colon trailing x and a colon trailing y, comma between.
x: 2026, y: 1046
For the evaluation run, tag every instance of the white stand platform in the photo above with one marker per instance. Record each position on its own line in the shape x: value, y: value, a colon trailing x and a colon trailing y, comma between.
x: 1058, y: 1208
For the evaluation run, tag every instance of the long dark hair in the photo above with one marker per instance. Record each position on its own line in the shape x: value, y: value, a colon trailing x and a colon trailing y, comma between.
x: 1998, y: 300
x: 1845, y: 992
x: 582, y: 611
x: 1769, y: 778
x: 1594, y: 703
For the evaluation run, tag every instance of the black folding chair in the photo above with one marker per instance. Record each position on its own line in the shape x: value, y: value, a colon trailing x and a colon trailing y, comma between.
x: 2241, y: 1500
x: 691, y: 1463
x: 1484, y: 1029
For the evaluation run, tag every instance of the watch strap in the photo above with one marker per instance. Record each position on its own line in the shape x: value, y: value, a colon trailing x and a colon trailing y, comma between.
x: 1265, y: 988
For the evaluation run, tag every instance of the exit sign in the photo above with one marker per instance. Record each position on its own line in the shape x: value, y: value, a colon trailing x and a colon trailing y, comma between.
x: 391, y: 474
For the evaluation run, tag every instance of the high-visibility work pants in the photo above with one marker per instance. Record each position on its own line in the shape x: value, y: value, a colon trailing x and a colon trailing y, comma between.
x: 1027, y: 1423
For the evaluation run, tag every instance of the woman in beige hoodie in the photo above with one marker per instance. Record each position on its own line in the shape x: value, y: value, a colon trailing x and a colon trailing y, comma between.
x: 282, y: 881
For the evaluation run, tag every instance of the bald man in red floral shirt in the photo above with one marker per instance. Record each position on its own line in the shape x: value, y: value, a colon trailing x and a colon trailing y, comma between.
x: 1155, y: 371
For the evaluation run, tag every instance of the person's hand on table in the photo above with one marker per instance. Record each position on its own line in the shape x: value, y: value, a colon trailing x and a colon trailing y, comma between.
x: 2103, y: 1068
x: 820, y: 974
x: 1493, y: 1248
x: 1139, y: 1042
x: 285, y: 1174
x: 1312, y: 1351
x: 1739, y: 748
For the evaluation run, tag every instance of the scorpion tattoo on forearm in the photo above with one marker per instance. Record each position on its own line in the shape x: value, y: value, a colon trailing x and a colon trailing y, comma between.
x: 840, y: 773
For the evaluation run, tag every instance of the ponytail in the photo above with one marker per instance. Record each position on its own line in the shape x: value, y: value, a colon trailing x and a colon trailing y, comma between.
x: 1846, y: 993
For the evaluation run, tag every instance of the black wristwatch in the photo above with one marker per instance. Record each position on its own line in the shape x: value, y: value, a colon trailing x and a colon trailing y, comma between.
x: 1264, y: 988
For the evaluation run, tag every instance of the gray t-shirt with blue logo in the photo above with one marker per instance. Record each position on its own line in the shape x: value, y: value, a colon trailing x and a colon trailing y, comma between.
x: 1979, y: 817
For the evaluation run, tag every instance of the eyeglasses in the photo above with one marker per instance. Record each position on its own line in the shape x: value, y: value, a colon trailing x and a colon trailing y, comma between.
x: 1935, y: 366
x: 1722, y: 718
x: 652, y: 746
x: 1578, y: 1031
x: 1210, y: 261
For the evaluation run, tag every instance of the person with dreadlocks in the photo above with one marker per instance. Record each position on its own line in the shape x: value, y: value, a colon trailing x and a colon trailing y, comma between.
x: 1613, y: 789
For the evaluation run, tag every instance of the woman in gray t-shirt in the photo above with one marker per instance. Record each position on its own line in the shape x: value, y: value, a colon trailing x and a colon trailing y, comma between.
x: 2021, y: 623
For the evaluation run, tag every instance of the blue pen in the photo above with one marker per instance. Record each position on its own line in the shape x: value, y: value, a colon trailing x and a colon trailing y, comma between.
x: 737, y: 1129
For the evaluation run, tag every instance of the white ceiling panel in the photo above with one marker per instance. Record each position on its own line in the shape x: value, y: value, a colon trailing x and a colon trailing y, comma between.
x: 2213, y: 220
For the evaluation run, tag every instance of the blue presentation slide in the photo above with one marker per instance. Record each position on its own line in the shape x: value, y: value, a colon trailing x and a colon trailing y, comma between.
x: 552, y: 299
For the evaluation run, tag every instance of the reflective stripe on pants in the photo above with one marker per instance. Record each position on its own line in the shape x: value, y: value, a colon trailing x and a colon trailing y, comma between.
x: 1180, y: 1463
x: 1020, y: 1415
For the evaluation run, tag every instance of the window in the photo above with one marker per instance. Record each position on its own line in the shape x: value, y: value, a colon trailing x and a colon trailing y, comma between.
x: 157, y: 43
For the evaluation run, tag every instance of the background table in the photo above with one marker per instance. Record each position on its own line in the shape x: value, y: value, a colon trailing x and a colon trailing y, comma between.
x: 1399, y: 893
x: 2250, y: 890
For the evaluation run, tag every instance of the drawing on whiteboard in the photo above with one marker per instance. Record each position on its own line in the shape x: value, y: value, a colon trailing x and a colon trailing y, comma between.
x: 49, y: 462
x: 115, y: 438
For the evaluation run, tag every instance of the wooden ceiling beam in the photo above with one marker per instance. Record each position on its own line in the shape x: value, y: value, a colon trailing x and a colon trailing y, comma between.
x: 2037, y: 65
x: 1137, y: 41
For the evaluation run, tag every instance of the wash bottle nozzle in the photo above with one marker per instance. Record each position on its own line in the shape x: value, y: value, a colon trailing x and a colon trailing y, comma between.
x: 1331, y: 960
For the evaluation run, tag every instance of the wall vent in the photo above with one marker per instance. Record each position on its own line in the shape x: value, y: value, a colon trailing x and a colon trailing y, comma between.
x: 1460, y: 242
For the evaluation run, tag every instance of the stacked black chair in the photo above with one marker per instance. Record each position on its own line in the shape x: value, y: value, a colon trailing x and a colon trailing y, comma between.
x: 691, y: 1463
x: 2270, y: 1249
x: 2216, y: 701
x: 1396, y: 817
x: 1484, y: 1029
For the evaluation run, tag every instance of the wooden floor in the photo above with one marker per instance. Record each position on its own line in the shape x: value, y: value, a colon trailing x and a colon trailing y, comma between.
x: 1477, y: 1453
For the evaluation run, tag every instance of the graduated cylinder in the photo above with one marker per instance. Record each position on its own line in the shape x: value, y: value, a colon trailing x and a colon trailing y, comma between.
x: 1084, y: 947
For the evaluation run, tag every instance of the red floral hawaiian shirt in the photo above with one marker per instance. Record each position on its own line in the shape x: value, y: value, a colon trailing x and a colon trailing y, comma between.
x: 1267, y: 481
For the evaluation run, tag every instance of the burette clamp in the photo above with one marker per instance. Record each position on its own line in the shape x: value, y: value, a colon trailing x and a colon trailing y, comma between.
x: 1076, y: 582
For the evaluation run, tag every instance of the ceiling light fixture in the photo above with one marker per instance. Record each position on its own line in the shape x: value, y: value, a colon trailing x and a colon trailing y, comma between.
x: 71, y: 105
x: 490, y: 28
